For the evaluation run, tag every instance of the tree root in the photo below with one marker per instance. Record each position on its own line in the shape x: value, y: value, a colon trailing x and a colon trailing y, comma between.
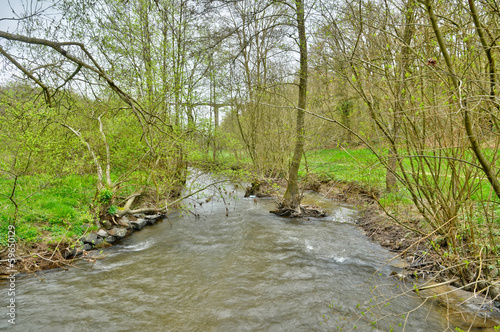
x: 302, y: 211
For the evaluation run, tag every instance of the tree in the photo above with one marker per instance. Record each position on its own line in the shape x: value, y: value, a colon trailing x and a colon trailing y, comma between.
x: 292, y: 195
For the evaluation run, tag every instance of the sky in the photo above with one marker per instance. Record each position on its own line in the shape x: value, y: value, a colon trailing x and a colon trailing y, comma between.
x: 14, y: 9
x: 10, y: 12
x: 6, y: 7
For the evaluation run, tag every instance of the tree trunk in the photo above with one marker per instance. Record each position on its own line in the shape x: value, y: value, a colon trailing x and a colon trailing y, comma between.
x: 292, y: 196
x: 486, y: 166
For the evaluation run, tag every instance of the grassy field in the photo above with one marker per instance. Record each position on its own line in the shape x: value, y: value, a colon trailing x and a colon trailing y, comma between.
x: 354, y: 165
x: 48, y: 208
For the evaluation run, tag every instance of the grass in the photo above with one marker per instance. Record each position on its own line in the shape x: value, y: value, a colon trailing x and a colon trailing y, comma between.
x: 353, y: 165
x: 49, y: 208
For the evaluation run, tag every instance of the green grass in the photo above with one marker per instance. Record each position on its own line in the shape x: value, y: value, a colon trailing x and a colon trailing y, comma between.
x: 49, y: 208
x: 354, y: 165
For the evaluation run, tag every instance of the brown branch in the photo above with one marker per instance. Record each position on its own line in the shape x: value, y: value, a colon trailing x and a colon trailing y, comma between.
x: 28, y: 73
x: 475, y: 146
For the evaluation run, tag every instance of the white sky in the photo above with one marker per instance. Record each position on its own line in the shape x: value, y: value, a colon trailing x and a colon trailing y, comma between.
x: 6, y: 7
x: 12, y: 10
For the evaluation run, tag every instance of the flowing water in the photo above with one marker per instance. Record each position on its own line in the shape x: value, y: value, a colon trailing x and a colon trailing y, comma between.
x: 247, y: 271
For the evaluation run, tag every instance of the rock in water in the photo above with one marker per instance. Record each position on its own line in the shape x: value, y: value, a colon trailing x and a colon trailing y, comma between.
x: 124, y: 222
x: 117, y: 232
x: 285, y: 210
x: 138, y: 224
x: 151, y: 219
x: 111, y: 239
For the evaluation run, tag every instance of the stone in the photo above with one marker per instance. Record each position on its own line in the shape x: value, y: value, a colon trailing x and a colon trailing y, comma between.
x: 151, y: 219
x: 102, y: 233
x: 90, y: 238
x: 117, y: 232
x: 138, y: 224
x: 87, y: 247
x: 124, y: 222
x: 72, y: 252
x: 493, y: 271
x: 494, y: 291
x: 107, y: 224
x: 111, y: 239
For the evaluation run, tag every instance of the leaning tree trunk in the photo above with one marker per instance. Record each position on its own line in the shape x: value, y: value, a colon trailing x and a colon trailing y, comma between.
x: 292, y: 196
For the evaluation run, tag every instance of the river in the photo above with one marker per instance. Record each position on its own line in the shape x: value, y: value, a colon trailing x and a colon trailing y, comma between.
x: 247, y: 271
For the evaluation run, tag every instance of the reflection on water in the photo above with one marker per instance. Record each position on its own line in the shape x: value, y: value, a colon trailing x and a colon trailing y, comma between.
x: 250, y: 271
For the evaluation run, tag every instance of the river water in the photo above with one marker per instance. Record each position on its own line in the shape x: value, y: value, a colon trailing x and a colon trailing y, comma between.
x: 247, y: 271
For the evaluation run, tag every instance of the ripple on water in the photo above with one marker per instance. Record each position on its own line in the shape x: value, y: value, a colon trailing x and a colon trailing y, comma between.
x: 143, y: 245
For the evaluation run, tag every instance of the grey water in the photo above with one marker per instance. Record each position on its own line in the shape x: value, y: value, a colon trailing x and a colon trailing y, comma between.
x: 228, y: 266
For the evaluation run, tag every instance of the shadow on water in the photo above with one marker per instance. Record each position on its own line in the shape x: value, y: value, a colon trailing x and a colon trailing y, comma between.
x: 248, y: 271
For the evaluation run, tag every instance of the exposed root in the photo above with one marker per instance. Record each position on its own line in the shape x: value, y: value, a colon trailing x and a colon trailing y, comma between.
x: 302, y: 211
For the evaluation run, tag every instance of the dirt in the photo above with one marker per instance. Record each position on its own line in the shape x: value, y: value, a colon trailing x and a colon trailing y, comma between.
x: 33, y: 257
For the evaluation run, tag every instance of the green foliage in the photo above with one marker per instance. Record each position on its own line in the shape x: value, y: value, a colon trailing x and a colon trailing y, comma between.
x: 106, y: 195
x: 113, y: 209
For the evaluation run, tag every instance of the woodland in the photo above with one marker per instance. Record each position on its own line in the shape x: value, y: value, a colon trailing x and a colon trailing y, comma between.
x: 105, y: 105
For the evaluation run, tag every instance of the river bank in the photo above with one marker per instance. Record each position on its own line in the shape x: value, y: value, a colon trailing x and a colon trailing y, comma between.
x: 33, y: 257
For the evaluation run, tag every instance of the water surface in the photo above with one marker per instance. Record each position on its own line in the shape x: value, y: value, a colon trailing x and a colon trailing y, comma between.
x: 247, y: 271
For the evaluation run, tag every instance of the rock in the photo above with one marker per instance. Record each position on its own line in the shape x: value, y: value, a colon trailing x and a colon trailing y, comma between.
x: 138, y: 224
x: 102, y: 233
x: 111, y: 239
x: 90, y: 238
x: 72, y: 252
x: 470, y: 312
x: 107, y: 224
x: 494, y: 291
x: 151, y: 219
x: 124, y: 222
x: 87, y: 247
x: 117, y: 232
x: 492, y: 271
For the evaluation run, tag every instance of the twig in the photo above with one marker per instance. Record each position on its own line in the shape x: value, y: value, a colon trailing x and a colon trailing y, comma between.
x: 440, y: 284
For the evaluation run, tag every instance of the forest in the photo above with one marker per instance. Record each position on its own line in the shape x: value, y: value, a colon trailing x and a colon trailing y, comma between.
x: 106, y: 106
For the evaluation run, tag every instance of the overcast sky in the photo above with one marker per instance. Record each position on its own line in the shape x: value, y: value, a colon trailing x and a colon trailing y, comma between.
x: 10, y: 10
x: 6, y: 7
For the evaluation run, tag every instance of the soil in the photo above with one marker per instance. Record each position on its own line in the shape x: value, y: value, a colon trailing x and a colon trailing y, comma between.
x: 32, y: 258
